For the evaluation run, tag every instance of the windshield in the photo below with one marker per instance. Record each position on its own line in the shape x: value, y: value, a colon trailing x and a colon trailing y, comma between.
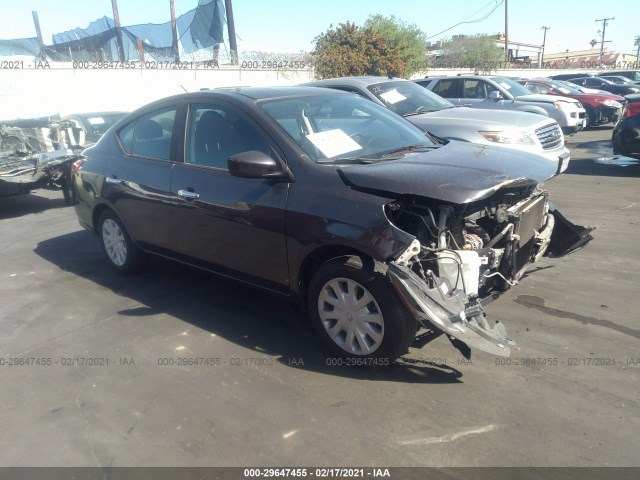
x: 100, y: 123
x: 580, y: 88
x: 618, y: 80
x: 564, y: 87
x: 408, y: 98
x: 342, y: 126
x: 514, y: 88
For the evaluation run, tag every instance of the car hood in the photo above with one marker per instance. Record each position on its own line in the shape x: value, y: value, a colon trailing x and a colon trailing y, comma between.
x: 540, y: 97
x: 599, y: 96
x: 458, y: 173
x: 480, y: 119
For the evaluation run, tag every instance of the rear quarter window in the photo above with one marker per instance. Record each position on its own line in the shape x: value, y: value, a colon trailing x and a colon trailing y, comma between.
x: 125, y: 135
x: 149, y: 135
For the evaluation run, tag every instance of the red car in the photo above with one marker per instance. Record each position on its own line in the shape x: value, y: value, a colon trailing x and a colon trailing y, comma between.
x: 626, y: 134
x: 600, y: 107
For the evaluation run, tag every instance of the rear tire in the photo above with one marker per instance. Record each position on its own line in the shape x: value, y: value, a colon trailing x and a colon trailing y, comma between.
x: 68, y: 191
x: 591, y: 117
x: 123, y: 255
x: 358, y: 314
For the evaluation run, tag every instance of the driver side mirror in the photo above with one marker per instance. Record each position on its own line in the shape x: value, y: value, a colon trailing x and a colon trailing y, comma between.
x: 495, y: 95
x: 254, y: 164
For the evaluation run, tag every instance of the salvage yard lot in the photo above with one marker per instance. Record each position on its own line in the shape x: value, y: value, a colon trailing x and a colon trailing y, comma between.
x: 175, y: 367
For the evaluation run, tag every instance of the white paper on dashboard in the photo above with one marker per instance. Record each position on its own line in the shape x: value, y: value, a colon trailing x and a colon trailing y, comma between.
x: 96, y: 121
x: 392, y: 96
x: 333, y: 142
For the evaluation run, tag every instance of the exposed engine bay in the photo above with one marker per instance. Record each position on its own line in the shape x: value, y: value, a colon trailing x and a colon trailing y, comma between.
x: 466, y: 255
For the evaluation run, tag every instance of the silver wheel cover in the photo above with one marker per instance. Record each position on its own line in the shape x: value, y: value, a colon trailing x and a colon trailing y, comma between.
x: 351, y: 316
x: 114, y: 242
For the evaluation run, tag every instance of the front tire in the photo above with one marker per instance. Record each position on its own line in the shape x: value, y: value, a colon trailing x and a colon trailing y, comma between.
x: 358, y: 314
x: 123, y: 255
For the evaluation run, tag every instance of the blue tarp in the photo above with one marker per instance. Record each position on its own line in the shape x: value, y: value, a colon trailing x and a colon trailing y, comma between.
x: 20, y: 46
x: 199, y: 28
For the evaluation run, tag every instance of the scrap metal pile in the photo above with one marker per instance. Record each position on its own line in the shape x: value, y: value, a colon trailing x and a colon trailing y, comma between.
x: 38, y: 153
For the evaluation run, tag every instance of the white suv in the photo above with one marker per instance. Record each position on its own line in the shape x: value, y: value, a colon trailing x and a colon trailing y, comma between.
x: 496, y: 92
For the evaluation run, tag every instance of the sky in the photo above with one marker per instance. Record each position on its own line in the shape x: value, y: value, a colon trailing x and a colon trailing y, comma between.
x: 289, y: 26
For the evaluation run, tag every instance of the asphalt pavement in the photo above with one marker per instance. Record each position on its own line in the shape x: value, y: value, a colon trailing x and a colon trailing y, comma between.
x: 175, y: 367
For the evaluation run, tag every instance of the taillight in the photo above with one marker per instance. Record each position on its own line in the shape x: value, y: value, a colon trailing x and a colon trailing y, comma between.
x: 75, y: 166
x: 631, y: 109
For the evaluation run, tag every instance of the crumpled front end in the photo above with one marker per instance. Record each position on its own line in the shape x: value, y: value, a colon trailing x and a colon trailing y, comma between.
x: 434, y: 303
x: 465, y: 256
x: 35, y: 153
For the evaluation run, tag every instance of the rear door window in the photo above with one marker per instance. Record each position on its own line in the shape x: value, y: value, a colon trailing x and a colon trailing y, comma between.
x: 447, y: 88
x: 216, y: 132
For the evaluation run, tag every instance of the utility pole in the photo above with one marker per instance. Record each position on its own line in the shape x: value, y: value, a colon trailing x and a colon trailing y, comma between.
x: 604, y: 28
x: 232, y: 32
x: 36, y: 22
x: 544, y: 43
x: 637, y: 42
x: 116, y: 19
x: 174, y: 33
x: 506, y: 31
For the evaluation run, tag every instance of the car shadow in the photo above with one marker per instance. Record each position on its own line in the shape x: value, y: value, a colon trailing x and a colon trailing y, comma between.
x: 18, y: 205
x: 598, y: 128
x: 245, y: 316
x: 603, y: 162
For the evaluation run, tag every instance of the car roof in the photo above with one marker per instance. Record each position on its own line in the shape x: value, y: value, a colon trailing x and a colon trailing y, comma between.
x: 616, y: 72
x: 96, y: 114
x: 262, y: 93
x: 464, y: 75
x: 252, y: 93
x: 240, y: 94
x: 544, y: 79
x: 355, y: 81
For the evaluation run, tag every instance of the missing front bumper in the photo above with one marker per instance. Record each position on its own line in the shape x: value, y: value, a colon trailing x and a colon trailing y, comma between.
x: 449, y: 311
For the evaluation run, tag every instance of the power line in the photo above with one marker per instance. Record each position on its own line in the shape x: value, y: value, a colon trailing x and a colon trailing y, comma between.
x: 471, y: 21
x: 604, y: 28
x: 544, y: 44
x: 478, y: 11
x: 506, y: 32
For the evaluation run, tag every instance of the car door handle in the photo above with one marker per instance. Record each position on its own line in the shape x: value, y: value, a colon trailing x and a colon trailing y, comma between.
x: 113, y: 180
x: 189, y: 195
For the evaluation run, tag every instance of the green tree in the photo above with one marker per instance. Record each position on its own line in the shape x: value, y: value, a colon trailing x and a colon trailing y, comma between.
x: 406, y: 41
x: 349, y: 50
x: 474, y: 52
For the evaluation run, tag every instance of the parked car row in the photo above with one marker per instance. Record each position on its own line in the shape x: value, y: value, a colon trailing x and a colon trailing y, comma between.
x: 632, y: 75
x: 606, y: 85
x: 591, y: 107
x: 511, y: 129
x: 600, y: 108
x: 375, y: 226
x: 502, y: 93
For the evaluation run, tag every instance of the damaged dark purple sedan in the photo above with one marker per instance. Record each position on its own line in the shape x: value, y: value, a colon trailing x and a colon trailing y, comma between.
x: 331, y: 200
